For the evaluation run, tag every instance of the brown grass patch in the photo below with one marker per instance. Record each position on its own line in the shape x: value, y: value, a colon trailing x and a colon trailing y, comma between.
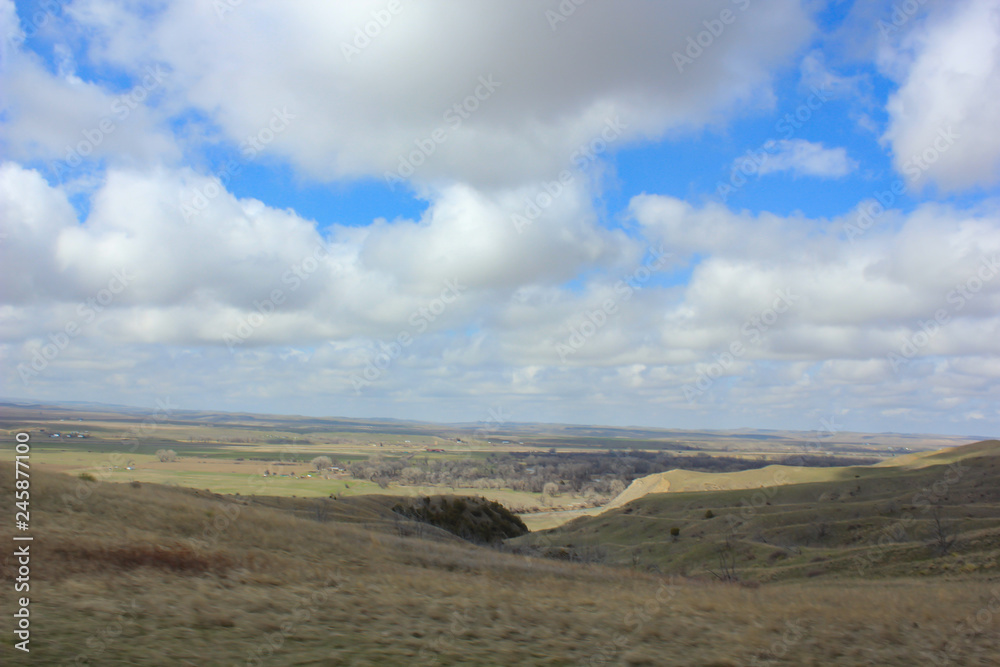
x: 175, y: 558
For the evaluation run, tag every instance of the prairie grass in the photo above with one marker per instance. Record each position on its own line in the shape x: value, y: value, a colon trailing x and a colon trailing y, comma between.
x: 125, y: 575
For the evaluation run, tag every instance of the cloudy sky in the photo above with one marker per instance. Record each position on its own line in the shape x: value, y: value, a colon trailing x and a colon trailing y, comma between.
x: 709, y: 214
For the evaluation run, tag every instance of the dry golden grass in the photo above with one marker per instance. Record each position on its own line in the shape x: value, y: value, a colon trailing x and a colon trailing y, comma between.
x: 687, y: 481
x: 151, y: 575
x: 916, y: 520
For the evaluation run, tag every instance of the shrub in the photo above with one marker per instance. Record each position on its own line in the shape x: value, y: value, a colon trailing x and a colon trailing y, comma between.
x: 87, y: 477
x: 709, y: 514
x: 475, y: 519
x: 674, y: 532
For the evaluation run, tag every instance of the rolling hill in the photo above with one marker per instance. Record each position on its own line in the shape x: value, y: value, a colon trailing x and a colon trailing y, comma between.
x: 144, y: 574
x: 686, y: 481
x: 929, y: 514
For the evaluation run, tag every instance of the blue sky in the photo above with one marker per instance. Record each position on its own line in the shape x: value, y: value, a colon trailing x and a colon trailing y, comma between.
x: 215, y: 179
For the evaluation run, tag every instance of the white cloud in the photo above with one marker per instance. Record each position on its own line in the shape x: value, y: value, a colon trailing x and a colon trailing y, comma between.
x: 806, y: 158
x: 194, y: 278
x: 358, y: 114
x: 556, y: 320
x: 851, y: 305
x: 65, y: 121
x: 943, y: 118
x: 816, y: 74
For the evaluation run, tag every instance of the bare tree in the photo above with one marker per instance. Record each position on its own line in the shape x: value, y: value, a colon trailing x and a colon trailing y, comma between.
x: 321, y: 462
x: 822, y: 530
x: 943, y: 532
x: 321, y: 510
x: 726, y: 559
x: 166, y: 455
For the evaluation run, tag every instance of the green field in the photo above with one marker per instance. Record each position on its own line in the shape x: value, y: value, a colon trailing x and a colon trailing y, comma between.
x: 228, y: 453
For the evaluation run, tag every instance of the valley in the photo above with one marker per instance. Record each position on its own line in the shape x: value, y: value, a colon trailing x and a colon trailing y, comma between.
x: 203, y: 560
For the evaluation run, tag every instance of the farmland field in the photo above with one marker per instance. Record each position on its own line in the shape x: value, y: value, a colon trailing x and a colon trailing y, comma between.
x: 229, y: 453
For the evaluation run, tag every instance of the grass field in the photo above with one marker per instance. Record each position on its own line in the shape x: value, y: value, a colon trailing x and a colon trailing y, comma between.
x: 154, y: 575
x: 228, y: 453
x: 206, y: 561
x: 245, y: 432
x: 872, y: 521
x: 246, y: 477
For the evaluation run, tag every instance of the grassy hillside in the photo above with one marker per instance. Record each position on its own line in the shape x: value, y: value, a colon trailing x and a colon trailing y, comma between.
x: 686, y: 481
x: 937, y: 514
x: 153, y: 575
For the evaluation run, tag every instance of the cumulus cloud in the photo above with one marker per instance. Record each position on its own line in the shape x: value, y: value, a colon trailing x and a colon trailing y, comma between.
x: 66, y: 121
x: 512, y: 285
x: 363, y: 104
x: 818, y: 75
x: 829, y: 315
x: 853, y: 300
x: 806, y: 158
x: 942, y: 119
x: 191, y: 278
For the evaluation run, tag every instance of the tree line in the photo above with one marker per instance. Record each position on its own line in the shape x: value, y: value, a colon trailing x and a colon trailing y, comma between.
x: 585, y: 473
